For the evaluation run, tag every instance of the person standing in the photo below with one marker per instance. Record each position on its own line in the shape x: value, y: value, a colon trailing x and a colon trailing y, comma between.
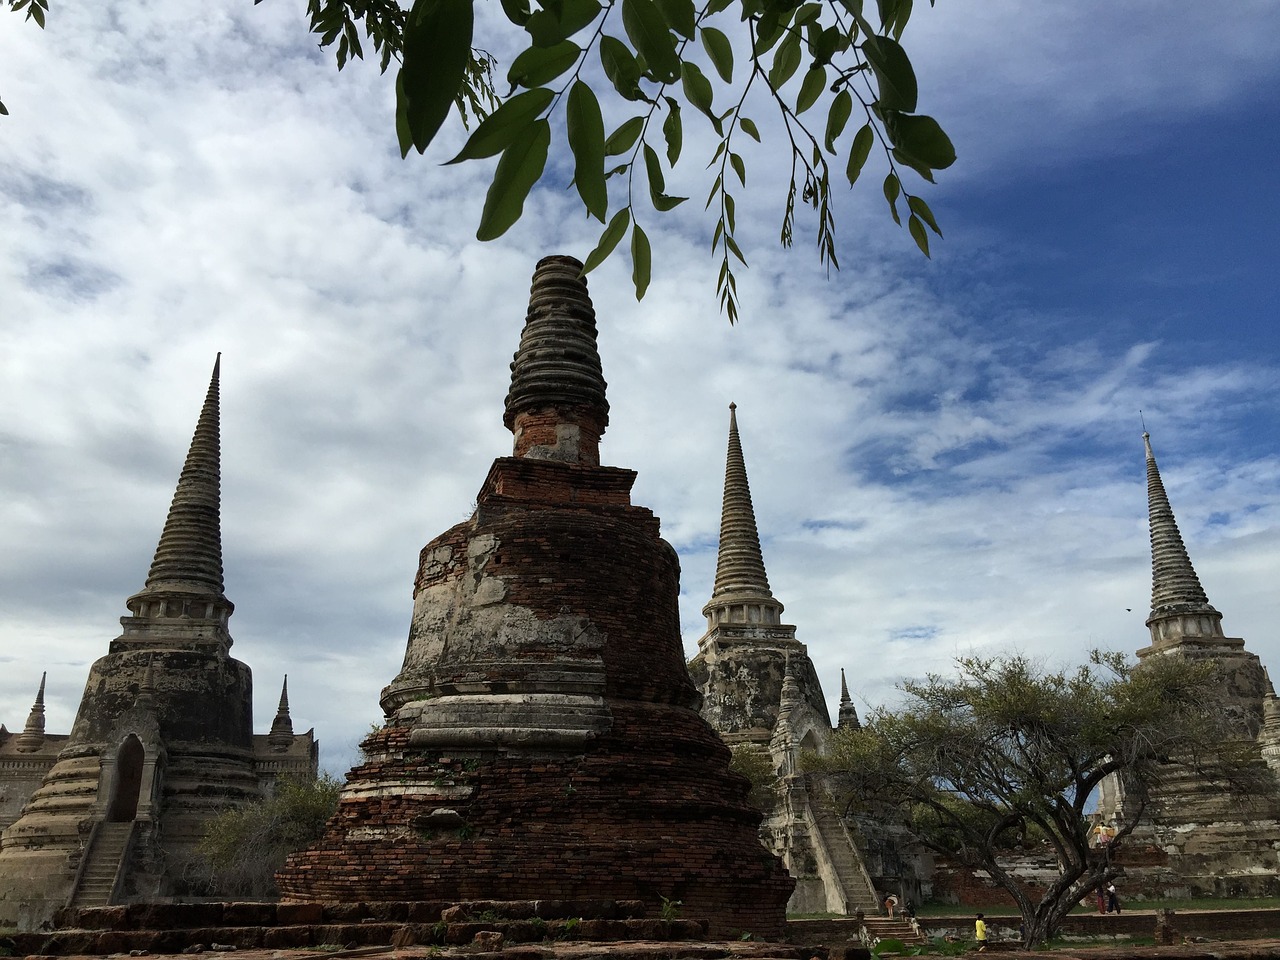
x: 1113, y: 898
x: 980, y: 933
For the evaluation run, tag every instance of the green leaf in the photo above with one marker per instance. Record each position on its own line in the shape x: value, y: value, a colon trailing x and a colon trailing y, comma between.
x: 652, y: 166
x: 437, y: 50
x: 769, y: 29
x: 863, y: 141
x: 538, y: 65
x: 657, y: 184
x: 907, y: 160
x: 680, y: 17
x: 649, y: 34
x: 403, y: 134
x: 720, y: 52
x: 894, y: 75
x: 502, y: 127
x: 806, y: 13
x: 624, y: 138
x: 785, y: 61
x: 4, y: 112
x: 922, y: 138
x: 641, y: 261
x: 837, y: 117
x: 830, y: 41
x: 608, y: 240
x: 585, y: 129
x: 894, y: 15
x: 561, y: 20
x: 733, y: 248
x: 892, y: 188
x: 921, y: 210
x: 811, y: 87
x: 739, y: 168
x: 519, y: 169
x: 517, y: 11
x: 749, y: 128
x: 672, y: 131
x: 918, y: 235
x: 620, y: 67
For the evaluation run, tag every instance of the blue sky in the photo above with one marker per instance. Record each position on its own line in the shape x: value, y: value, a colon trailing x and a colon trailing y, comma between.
x: 945, y: 455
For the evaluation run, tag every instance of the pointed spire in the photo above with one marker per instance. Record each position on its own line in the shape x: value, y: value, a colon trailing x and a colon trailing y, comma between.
x: 740, y: 573
x: 1175, y: 588
x: 32, y: 736
x: 281, y: 735
x: 189, y: 555
x: 848, y: 717
x: 556, y: 406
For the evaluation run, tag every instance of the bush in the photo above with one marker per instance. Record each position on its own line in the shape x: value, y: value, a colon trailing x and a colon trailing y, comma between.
x: 243, y: 847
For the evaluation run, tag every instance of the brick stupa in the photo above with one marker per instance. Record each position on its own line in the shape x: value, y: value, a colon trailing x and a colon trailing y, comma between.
x: 542, y: 739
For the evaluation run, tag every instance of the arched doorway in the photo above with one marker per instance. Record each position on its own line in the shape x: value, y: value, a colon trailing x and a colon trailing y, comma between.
x: 124, y: 796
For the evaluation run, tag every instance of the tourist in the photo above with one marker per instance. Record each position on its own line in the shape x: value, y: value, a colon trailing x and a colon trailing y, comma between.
x: 980, y: 933
x: 890, y: 904
x: 1113, y: 899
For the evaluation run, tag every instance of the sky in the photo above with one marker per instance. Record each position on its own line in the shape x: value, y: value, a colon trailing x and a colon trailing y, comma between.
x: 945, y: 455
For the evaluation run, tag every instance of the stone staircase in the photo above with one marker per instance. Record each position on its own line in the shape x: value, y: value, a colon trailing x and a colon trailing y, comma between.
x: 882, y: 928
x: 98, y: 879
x: 845, y: 860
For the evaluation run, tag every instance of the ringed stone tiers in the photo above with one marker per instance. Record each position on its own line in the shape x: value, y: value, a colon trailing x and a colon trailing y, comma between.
x: 542, y: 739
x: 163, y: 737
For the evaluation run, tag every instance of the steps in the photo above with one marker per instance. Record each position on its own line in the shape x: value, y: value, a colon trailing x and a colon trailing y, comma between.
x: 98, y: 880
x: 845, y: 860
x: 882, y: 928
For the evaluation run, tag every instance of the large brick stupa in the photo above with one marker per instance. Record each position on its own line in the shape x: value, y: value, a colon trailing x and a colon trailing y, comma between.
x: 542, y: 739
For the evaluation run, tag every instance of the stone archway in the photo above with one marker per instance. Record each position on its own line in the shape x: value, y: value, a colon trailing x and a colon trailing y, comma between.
x: 128, y: 781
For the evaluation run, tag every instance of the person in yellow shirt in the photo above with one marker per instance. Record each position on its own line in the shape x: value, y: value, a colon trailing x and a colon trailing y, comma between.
x: 980, y: 933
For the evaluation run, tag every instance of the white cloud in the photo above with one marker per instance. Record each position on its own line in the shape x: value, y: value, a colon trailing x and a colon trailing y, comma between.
x: 933, y: 471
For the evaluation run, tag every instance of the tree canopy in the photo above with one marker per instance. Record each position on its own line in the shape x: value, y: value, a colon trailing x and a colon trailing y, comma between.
x: 817, y: 64
x: 1007, y: 749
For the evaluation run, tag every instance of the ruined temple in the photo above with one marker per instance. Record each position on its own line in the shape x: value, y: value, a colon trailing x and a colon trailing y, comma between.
x: 761, y: 692
x: 162, y: 739
x: 1196, y: 838
x: 542, y: 739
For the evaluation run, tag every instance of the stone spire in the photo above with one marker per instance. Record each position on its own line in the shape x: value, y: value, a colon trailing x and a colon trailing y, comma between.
x: 185, y: 580
x: 189, y: 555
x: 741, y: 589
x: 32, y: 737
x: 556, y: 406
x: 281, y: 735
x: 1179, y: 606
x: 848, y: 712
